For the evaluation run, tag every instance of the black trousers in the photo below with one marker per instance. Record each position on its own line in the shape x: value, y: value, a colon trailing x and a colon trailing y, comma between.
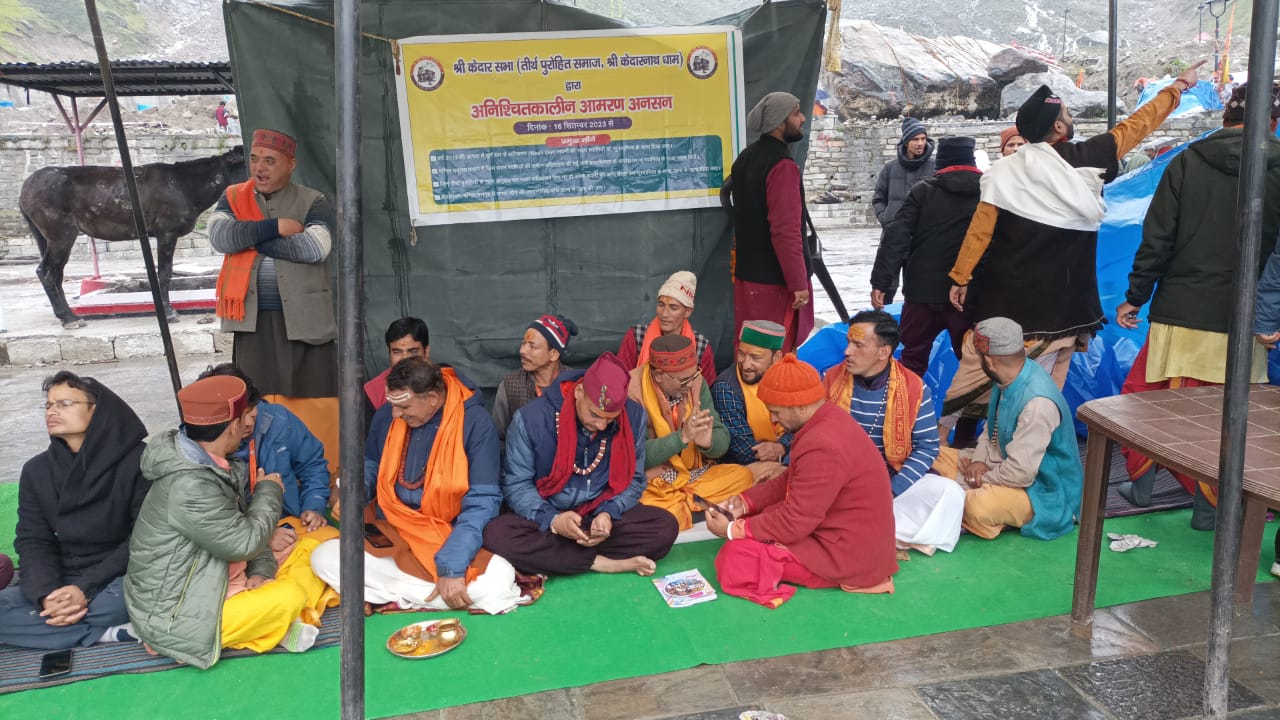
x: 643, y: 530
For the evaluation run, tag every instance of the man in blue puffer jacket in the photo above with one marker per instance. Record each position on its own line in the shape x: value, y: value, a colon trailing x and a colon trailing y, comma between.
x: 278, y: 442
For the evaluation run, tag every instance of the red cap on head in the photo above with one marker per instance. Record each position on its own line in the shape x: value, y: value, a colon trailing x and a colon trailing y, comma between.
x: 273, y: 140
x: 672, y: 353
x: 605, y: 384
x: 213, y: 400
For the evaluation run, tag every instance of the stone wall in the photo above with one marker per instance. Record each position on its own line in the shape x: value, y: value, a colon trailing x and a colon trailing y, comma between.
x: 21, y: 155
x: 847, y: 158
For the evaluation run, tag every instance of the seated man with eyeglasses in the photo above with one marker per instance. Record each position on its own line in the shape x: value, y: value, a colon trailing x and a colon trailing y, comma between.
x: 77, y: 502
x: 685, y: 434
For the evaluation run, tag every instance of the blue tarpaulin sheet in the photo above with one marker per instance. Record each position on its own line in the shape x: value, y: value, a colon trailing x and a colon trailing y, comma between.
x: 1199, y: 98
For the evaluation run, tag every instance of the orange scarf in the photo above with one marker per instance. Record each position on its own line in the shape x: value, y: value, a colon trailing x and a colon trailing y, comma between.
x: 665, y: 420
x: 426, y: 528
x: 654, y: 331
x: 237, y: 268
x: 757, y: 414
x: 902, y: 404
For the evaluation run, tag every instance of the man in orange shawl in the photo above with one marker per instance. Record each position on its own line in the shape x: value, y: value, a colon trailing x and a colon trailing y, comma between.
x: 685, y: 433
x: 431, y: 476
x: 273, y: 290
x: 675, y: 305
x: 895, y: 409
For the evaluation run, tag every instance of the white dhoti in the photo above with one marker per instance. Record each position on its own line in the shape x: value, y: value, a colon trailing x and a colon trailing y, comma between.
x: 928, y: 514
x: 494, y: 592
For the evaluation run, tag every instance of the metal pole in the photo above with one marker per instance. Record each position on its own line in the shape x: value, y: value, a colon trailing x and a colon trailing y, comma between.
x: 350, y: 352
x: 135, y: 202
x: 1235, y: 406
x: 1113, y: 47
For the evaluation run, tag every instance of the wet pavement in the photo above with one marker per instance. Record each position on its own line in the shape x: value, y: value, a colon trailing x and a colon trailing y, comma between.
x: 1143, y: 661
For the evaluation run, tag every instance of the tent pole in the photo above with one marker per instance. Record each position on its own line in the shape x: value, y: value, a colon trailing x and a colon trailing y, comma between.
x: 1113, y: 48
x: 1235, y: 406
x: 350, y: 283
x: 139, y: 221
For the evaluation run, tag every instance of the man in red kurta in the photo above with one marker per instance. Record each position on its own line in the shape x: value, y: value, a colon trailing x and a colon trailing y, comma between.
x: 771, y: 269
x: 827, y: 521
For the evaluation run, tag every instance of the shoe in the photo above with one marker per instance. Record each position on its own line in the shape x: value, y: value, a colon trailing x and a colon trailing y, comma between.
x: 300, y: 637
x: 1204, y: 516
x: 1138, y: 492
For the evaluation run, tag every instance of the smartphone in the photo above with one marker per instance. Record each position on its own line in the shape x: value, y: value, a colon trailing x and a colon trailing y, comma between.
x: 375, y: 536
x: 708, y: 504
x: 55, y: 663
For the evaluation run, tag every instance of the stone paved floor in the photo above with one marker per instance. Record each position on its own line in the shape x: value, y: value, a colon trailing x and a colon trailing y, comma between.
x: 1144, y: 661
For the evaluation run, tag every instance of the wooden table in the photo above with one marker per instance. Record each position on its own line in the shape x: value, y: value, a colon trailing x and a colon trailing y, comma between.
x: 1181, y: 430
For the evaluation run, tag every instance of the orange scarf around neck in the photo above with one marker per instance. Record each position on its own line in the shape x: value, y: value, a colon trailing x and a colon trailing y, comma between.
x: 653, y: 332
x: 237, y: 268
x: 757, y: 414
x: 902, y: 404
x: 426, y: 528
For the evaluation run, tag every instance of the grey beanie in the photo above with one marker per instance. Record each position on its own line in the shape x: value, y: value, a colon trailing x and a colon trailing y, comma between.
x: 998, y: 336
x: 770, y: 112
x: 911, y: 127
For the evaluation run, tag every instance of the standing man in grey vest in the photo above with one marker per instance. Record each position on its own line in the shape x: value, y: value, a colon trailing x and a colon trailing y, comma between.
x: 274, y: 288
x: 771, y: 268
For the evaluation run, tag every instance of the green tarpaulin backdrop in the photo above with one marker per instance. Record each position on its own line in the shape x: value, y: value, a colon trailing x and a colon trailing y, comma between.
x: 478, y: 285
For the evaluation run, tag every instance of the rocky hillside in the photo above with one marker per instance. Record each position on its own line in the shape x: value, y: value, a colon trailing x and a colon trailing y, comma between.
x: 58, y: 30
x: 1157, y: 36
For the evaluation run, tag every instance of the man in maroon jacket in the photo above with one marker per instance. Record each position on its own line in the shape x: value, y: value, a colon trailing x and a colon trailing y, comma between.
x: 827, y: 521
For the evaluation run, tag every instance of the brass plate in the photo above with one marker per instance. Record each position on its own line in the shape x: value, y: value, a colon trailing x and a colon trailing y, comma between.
x: 427, y: 639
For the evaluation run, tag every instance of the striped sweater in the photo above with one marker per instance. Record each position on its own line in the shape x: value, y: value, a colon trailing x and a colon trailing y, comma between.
x: 868, y: 406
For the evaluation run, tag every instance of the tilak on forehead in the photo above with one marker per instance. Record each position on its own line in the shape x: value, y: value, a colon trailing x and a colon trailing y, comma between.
x: 399, y: 396
x: 856, y: 332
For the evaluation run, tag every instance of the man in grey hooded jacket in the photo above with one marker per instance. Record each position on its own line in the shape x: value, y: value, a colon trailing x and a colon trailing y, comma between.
x: 913, y: 164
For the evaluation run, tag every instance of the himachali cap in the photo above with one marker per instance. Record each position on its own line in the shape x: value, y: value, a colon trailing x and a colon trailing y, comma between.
x: 681, y: 286
x: 557, y: 329
x: 273, y: 140
x: 763, y: 334
x: 1234, y: 110
x: 998, y: 336
x: 1036, y: 116
x: 213, y: 400
x: 790, y: 383
x: 672, y: 353
x: 605, y: 384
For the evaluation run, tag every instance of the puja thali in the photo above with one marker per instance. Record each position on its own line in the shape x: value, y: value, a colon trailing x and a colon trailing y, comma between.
x: 427, y: 639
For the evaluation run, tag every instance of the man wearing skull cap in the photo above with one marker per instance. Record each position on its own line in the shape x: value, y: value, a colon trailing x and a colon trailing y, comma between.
x: 771, y: 267
x: 1036, y: 234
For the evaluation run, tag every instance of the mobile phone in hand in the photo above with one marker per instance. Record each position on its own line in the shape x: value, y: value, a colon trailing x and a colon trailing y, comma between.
x: 375, y: 537
x: 708, y: 504
x: 55, y: 663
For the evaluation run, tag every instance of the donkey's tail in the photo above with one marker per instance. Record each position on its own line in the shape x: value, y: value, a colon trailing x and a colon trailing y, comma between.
x: 41, y: 242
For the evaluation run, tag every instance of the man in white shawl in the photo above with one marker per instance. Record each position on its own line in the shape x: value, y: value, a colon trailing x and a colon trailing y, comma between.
x: 1036, y: 233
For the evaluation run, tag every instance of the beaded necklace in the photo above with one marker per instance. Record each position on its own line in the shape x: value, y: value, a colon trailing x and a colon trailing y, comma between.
x: 584, y: 471
x: 404, y: 455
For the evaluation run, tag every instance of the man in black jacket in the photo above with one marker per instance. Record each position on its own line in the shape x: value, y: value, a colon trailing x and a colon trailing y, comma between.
x: 1185, y: 268
x: 913, y: 164
x: 922, y: 241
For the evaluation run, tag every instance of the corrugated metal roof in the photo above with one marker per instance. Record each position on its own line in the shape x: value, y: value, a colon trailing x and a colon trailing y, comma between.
x: 132, y: 78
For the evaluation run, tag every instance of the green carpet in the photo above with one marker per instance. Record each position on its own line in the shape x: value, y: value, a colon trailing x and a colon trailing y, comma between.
x: 594, y: 628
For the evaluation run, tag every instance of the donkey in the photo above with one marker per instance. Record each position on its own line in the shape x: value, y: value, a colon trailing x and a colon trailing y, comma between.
x: 58, y: 203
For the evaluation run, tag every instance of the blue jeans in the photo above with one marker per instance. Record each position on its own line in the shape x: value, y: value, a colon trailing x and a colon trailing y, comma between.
x: 22, y: 626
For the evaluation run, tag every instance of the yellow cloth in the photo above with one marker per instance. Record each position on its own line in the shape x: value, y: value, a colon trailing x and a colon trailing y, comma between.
x: 757, y: 414
x: 717, y: 483
x: 1179, y: 352
x: 258, y: 619
x: 320, y: 415
x: 991, y: 508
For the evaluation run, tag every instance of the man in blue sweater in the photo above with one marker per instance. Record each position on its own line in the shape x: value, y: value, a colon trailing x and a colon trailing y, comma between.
x: 895, y: 408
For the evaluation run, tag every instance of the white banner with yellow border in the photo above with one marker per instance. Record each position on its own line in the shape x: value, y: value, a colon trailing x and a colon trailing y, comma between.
x: 543, y: 125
